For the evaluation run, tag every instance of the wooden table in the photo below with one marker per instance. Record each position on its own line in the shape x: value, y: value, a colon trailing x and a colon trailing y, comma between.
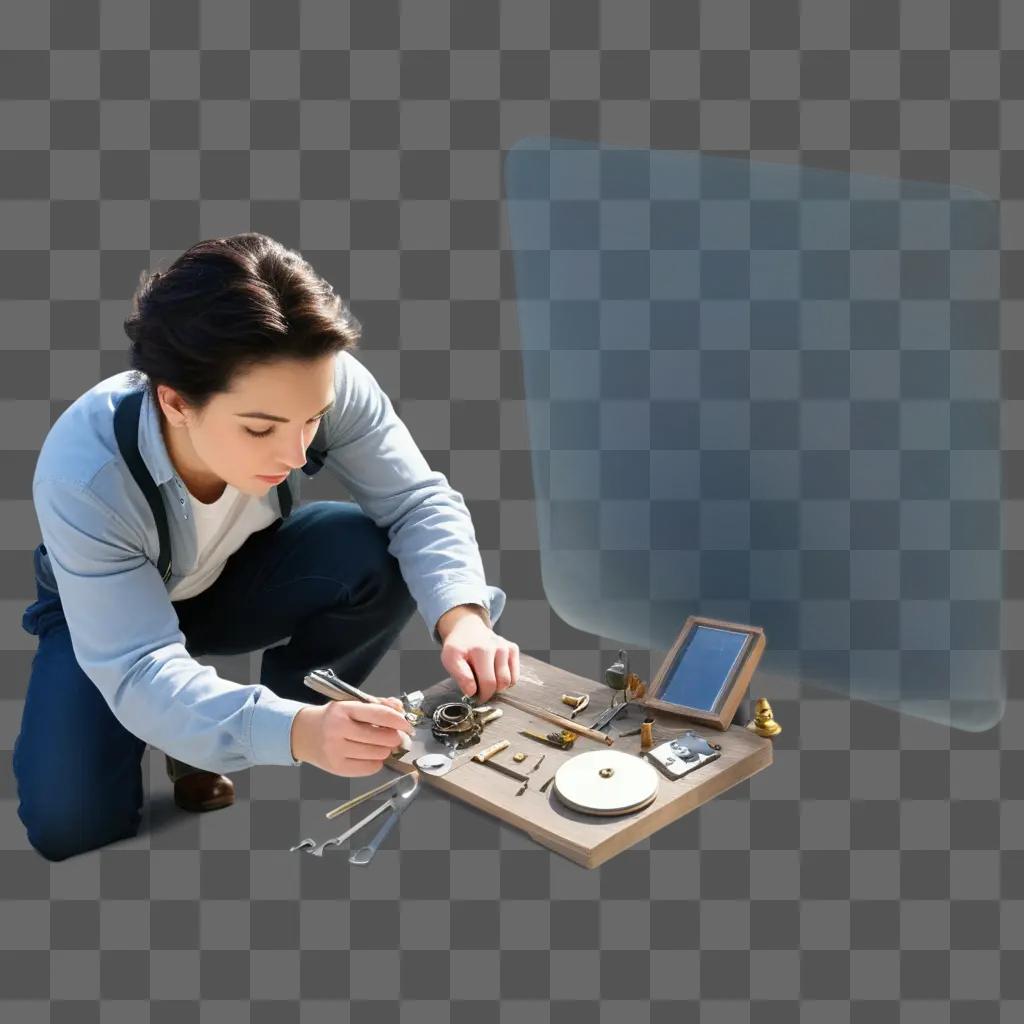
x: 585, y: 839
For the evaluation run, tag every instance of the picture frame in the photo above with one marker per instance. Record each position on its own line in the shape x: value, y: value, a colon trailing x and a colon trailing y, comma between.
x: 707, y: 671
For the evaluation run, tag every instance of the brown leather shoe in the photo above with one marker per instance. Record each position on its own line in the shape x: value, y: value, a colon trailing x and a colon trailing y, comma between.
x: 202, y: 791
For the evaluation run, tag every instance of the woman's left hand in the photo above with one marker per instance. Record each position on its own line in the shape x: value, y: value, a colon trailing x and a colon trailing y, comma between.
x: 479, y: 660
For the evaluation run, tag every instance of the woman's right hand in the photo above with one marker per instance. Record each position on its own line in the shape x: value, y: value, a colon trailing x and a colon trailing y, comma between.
x: 348, y: 737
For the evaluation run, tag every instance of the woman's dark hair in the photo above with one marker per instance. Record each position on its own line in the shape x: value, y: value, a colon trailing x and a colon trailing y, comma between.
x: 226, y: 305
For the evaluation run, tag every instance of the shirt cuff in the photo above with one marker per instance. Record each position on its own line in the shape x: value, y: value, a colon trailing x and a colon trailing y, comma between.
x: 492, y: 598
x: 271, y: 729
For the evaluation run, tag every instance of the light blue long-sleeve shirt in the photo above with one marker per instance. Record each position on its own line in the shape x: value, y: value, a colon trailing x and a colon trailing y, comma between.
x: 102, y: 550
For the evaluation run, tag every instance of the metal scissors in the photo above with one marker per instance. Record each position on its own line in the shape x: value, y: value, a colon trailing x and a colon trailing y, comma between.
x: 396, y: 804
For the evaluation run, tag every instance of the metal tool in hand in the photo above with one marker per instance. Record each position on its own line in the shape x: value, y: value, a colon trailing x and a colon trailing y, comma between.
x: 324, y: 681
x: 413, y: 704
x: 396, y: 804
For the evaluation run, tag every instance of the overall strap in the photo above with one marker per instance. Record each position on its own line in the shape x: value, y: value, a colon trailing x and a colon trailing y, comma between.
x: 126, y: 430
x: 314, y: 463
x: 316, y: 453
x: 284, y: 498
x: 315, y: 457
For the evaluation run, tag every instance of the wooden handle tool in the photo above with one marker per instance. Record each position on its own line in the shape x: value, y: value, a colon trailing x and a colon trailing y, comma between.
x: 484, y: 757
x: 550, y: 716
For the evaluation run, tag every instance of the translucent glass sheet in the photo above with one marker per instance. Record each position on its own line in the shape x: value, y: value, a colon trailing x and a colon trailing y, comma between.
x: 770, y: 394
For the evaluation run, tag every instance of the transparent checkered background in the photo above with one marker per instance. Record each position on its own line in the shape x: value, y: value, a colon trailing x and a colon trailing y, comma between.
x: 872, y: 873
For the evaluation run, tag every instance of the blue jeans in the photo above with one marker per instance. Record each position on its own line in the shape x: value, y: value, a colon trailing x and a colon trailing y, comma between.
x: 323, y: 578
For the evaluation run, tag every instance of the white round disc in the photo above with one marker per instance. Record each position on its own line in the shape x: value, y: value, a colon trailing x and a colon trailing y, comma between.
x: 433, y: 764
x: 631, y: 784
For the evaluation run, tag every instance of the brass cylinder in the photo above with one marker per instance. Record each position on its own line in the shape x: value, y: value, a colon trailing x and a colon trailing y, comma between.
x: 646, y: 734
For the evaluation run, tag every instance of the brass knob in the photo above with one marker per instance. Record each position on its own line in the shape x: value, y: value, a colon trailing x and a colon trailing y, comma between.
x: 763, y: 722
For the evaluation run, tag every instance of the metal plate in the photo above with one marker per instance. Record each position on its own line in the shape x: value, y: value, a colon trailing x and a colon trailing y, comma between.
x: 434, y: 764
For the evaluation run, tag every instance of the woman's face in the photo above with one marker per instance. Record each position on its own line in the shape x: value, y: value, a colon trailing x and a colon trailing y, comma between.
x: 254, y: 434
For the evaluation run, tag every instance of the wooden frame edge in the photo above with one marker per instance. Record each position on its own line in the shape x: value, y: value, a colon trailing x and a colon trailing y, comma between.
x: 736, y: 688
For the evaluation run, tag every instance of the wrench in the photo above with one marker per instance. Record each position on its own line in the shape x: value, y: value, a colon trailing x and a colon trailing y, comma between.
x: 310, y: 845
x: 399, y: 802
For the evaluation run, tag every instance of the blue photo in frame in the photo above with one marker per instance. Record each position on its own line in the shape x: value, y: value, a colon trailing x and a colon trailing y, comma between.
x: 708, y: 670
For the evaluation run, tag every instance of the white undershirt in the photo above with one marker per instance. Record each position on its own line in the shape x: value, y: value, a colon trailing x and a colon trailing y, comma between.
x: 222, y: 527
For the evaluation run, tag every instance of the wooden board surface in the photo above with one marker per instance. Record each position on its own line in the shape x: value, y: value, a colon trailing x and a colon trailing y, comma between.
x: 584, y: 839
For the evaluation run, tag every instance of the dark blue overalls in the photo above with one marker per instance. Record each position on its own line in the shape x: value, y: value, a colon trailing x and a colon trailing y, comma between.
x: 320, y: 578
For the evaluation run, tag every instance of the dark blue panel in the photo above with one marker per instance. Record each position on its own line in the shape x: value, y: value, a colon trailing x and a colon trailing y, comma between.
x: 703, y: 666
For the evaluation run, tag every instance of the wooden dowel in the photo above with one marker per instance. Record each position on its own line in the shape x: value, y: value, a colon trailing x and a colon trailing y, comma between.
x: 356, y: 800
x: 556, y: 719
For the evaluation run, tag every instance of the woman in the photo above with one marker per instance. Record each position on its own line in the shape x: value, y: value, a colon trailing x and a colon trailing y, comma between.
x: 168, y: 533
